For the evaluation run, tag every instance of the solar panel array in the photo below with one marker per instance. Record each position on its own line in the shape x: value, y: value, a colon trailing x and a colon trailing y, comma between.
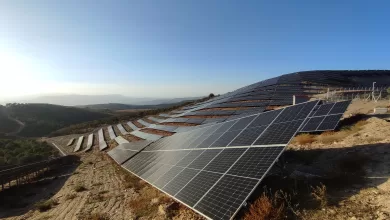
x: 326, y: 117
x: 214, y: 169
x: 279, y: 91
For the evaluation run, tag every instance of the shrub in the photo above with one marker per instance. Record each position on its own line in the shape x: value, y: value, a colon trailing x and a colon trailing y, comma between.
x: 304, y: 139
x: 79, y: 188
x: 266, y: 208
x: 320, y: 195
x: 43, y: 206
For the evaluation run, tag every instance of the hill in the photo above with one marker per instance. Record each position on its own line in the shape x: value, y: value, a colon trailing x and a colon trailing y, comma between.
x: 7, y: 125
x: 42, y: 119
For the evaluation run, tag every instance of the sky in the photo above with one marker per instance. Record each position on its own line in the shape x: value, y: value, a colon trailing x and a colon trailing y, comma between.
x: 181, y: 48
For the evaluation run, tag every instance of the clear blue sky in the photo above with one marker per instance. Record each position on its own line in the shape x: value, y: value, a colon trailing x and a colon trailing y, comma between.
x: 182, y: 48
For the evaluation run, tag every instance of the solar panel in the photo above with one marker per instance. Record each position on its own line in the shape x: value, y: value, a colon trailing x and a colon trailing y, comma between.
x: 180, y: 180
x: 121, y: 129
x: 89, y: 143
x: 324, y: 109
x: 121, y: 140
x: 226, y: 197
x: 79, y: 143
x: 146, y: 136
x: 144, y: 123
x: 102, y: 143
x: 197, y: 187
x: 312, y: 124
x: 70, y: 142
x: 125, y: 151
x: 90, y: 140
x: 111, y: 132
x: 330, y: 122
x: 132, y: 126
x: 166, y: 128
x: 326, y: 117
x: 184, y: 129
x: 255, y: 162
x: 155, y: 119
x: 224, y: 160
x: 214, y: 169
x: 339, y: 107
x: 195, y: 120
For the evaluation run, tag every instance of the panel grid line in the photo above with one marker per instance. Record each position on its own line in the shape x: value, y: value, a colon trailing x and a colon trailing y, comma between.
x: 234, y: 163
x: 208, y: 162
x: 325, y: 116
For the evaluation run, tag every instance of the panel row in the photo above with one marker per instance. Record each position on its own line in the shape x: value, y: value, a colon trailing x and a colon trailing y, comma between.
x: 214, y: 182
x: 246, y: 131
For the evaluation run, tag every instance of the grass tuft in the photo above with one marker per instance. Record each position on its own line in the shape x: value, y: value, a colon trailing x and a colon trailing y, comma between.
x: 43, y: 206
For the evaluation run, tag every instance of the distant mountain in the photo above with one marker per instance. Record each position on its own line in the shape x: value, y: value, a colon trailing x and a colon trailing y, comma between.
x: 42, y: 119
x: 77, y: 100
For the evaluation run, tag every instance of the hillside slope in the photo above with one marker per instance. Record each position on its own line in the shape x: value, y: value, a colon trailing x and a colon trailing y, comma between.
x: 42, y: 119
x: 7, y: 125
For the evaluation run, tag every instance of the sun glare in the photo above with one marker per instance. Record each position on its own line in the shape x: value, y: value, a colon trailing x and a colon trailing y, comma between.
x: 18, y: 75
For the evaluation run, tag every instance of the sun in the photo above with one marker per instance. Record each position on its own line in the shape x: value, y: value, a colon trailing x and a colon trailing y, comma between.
x: 16, y: 75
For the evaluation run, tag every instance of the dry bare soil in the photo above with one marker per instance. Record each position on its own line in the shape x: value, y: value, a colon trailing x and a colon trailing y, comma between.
x: 100, y: 189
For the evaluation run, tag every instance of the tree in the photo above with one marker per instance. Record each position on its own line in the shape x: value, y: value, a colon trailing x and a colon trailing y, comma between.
x: 211, y: 95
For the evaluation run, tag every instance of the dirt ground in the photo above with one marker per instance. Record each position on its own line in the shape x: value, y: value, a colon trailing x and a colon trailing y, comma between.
x: 104, y: 193
x: 355, y: 168
x: 365, y: 107
x: 108, y: 192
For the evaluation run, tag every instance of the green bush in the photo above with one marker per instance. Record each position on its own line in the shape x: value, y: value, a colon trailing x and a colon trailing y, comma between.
x: 23, y: 151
